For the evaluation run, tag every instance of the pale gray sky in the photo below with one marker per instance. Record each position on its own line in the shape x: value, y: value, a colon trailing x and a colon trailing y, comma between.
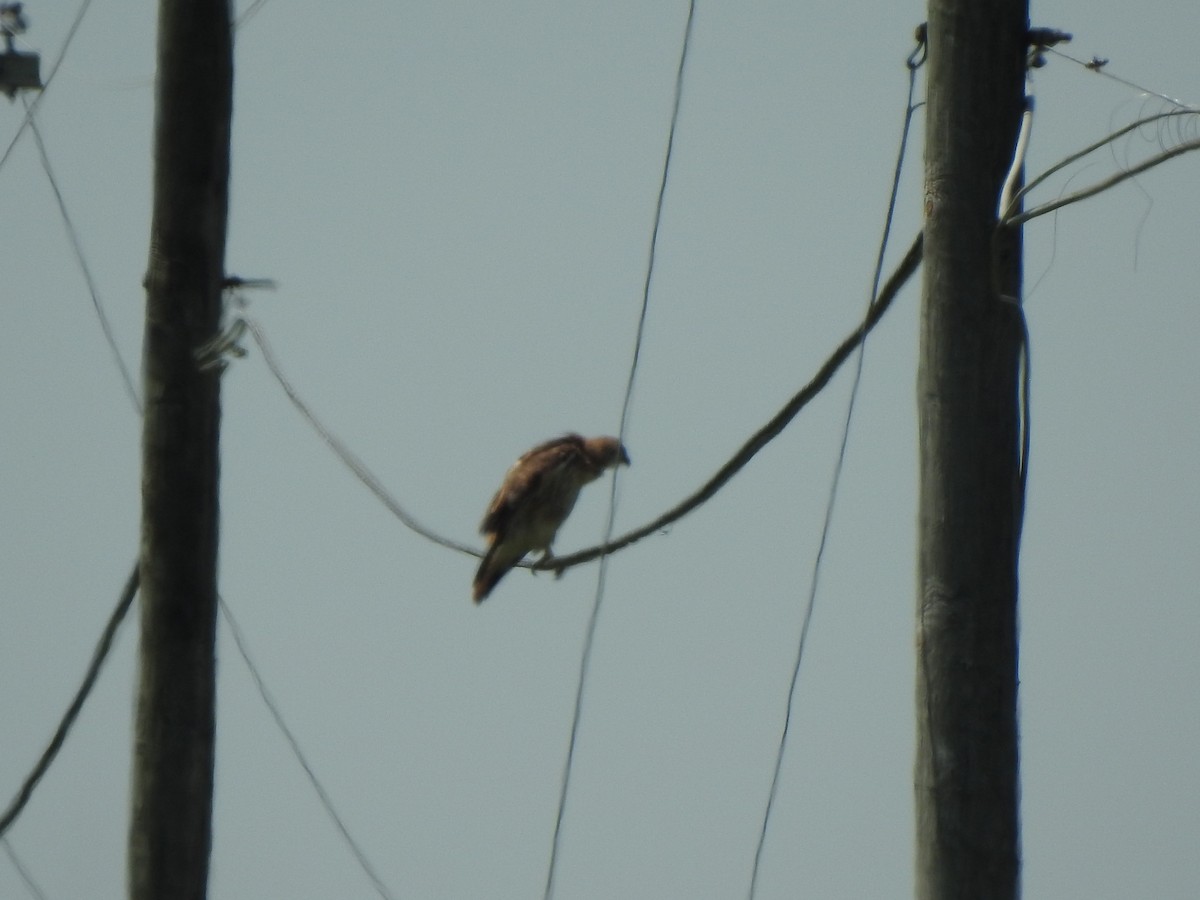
x: 456, y: 201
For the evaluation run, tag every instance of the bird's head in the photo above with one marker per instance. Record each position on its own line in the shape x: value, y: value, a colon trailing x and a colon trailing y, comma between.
x: 607, y: 452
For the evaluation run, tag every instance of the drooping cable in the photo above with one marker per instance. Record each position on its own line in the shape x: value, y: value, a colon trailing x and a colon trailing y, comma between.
x: 239, y: 641
x: 352, y: 462
x: 915, y: 60
x: 99, y: 655
x: 741, y: 457
x: 30, y: 884
x: 81, y: 261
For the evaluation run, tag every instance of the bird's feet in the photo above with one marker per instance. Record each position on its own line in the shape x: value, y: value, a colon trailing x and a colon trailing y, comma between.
x: 546, y: 561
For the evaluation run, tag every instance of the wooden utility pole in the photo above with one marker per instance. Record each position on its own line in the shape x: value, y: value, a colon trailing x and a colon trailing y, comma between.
x: 170, y: 830
x: 966, y: 778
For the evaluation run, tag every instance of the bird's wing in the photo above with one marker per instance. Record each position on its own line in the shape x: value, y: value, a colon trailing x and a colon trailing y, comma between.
x: 538, y: 472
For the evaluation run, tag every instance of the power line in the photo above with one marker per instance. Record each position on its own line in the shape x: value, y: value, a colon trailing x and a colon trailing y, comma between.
x: 775, y: 425
x: 738, y: 461
x: 26, y: 877
x: 719, y: 479
x: 239, y: 641
x: 249, y: 13
x: 1163, y: 117
x: 352, y: 462
x: 31, y: 108
x: 1100, y: 67
x: 81, y: 260
x: 1101, y: 186
x: 740, y: 458
x: 915, y: 60
x: 99, y: 655
x: 590, y: 633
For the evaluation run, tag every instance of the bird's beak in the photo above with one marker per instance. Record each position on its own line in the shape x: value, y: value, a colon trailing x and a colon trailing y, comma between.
x: 624, y: 458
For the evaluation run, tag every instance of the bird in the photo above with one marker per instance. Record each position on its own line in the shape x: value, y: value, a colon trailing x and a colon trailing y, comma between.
x: 535, y: 498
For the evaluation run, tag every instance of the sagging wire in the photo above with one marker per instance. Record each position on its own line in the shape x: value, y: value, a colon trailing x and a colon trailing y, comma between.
x: 99, y: 655
x: 30, y: 884
x: 1009, y: 211
x: 1019, y: 218
x: 81, y: 260
x: 352, y: 462
x: 741, y: 457
x: 243, y: 648
x: 915, y: 61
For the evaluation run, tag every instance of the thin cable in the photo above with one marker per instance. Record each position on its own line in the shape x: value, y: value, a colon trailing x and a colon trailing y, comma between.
x: 26, y: 877
x: 89, y: 681
x: 343, y: 452
x: 1102, y: 186
x: 249, y: 13
x: 83, y: 8
x: 590, y: 634
x: 1100, y: 67
x: 239, y: 641
x: 81, y: 260
x: 652, y: 255
x: 909, y: 110
x: 1091, y: 148
x: 1016, y: 170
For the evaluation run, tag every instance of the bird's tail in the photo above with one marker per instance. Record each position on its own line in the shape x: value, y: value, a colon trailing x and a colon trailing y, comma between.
x: 490, y: 571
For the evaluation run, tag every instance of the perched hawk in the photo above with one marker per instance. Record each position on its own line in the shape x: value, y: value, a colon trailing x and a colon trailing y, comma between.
x: 535, y: 499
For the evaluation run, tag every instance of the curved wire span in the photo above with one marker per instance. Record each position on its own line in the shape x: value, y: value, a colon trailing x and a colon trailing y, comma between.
x: 89, y: 681
x: 899, y: 277
x: 762, y: 437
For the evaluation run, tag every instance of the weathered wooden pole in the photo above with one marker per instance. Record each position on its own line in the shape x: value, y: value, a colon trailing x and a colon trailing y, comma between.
x: 170, y: 829
x: 966, y: 774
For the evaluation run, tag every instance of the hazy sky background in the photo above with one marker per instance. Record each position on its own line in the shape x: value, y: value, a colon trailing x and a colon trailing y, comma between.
x: 456, y: 200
